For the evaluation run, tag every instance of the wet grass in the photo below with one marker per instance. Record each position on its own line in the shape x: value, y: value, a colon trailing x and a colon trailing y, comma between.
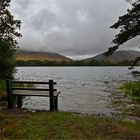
x: 131, y: 89
x: 62, y: 125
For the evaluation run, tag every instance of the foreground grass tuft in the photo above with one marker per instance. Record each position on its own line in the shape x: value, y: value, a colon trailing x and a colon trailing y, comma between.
x: 46, y: 125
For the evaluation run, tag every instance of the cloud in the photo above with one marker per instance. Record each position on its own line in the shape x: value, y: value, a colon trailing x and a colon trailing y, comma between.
x: 130, y: 1
x: 21, y: 7
x: 69, y: 27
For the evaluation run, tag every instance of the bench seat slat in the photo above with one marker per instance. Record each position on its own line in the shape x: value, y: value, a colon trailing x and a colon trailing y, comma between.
x: 32, y: 93
x: 35, y: 89
x: 31, y: 82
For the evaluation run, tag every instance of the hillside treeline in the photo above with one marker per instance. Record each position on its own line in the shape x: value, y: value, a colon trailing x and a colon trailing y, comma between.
x: 72, y: 63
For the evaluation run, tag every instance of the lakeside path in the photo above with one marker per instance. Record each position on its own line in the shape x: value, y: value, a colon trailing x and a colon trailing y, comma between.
x: 20, y: 124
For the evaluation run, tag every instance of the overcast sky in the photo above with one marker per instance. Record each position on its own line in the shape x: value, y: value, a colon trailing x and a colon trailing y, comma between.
x: 74, y: 28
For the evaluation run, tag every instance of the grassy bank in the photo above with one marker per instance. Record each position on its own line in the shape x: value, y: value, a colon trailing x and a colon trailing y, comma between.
x: 46, y: 125
x: 131, y: 89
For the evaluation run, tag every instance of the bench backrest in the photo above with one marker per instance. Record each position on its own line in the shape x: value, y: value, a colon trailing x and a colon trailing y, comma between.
x: 11, y: 88
x: 28, y: 87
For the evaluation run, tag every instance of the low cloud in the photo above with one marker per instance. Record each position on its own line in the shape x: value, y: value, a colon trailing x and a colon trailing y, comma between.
x: 69, y: 27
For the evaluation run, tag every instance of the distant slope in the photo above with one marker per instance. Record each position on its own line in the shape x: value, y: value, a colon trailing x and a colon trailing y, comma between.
x: 116, y: 57
x: 42, y: 56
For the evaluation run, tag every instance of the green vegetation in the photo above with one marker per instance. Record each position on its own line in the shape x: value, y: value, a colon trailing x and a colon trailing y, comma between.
x: 45, y: 125
x: 71, y: 63
x: 8, y: 42
x: 6, y: 61
x: 2, y: 90
x: 2, y: 85
x: 131, y: 89
x: 129, y: 26
x: 23, y: 85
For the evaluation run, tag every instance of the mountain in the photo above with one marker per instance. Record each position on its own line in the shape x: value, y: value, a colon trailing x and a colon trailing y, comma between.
x: 116, y: 57
x: 41, y: 56
x: 32, y: 58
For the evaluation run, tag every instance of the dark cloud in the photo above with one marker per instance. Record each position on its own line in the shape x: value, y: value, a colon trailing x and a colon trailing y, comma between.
x: 70, y: 27
x: 130, y: 1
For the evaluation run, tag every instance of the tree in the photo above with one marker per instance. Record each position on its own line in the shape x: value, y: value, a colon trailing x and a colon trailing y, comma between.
x: 6, y: 60
x: 8, y: 42
x: 129, y: 25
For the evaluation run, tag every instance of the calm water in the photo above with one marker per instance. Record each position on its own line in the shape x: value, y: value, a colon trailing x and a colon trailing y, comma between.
x: 87, y: 90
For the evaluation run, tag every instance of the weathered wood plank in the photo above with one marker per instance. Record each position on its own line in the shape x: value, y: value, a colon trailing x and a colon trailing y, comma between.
x: 18, y: 92
x: 9, y: 94
x: 51, y: 95
x: 35, y: 89
x: 31, y: 82
x: 32, y: 93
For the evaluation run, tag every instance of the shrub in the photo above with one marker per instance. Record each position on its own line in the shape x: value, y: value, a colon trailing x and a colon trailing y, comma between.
x: 2, y: 85
x: 131, y: 89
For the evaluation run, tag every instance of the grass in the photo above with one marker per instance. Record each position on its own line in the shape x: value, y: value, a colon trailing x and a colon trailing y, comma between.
x: 63, y: 125
x: 2, y: 90
x: 2, y: 85
x: 131, y: 89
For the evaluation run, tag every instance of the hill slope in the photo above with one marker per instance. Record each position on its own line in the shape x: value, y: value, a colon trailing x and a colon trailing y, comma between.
x: 116, y: 57
x: 42, y: 56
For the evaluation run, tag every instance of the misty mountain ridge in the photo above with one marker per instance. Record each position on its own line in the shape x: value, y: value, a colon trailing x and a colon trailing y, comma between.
x: 34, y: 52
x: 26, y: 55
x: 116, y: 57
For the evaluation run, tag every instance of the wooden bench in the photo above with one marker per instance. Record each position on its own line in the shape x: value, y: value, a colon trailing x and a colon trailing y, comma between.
x: 17, y: 92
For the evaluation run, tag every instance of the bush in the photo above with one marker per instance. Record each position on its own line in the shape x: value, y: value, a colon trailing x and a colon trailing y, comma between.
x: 131, y: 89
x: 2, y: 85
x: 7, y: 62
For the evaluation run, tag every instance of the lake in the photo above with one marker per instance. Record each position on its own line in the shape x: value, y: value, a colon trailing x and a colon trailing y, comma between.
x: 86, y: 90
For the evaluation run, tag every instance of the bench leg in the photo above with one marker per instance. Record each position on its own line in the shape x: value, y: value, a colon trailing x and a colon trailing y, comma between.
x: 9, y: 94
x: 14, y: 101
x: 56, y: 103
x: 19, y: 101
